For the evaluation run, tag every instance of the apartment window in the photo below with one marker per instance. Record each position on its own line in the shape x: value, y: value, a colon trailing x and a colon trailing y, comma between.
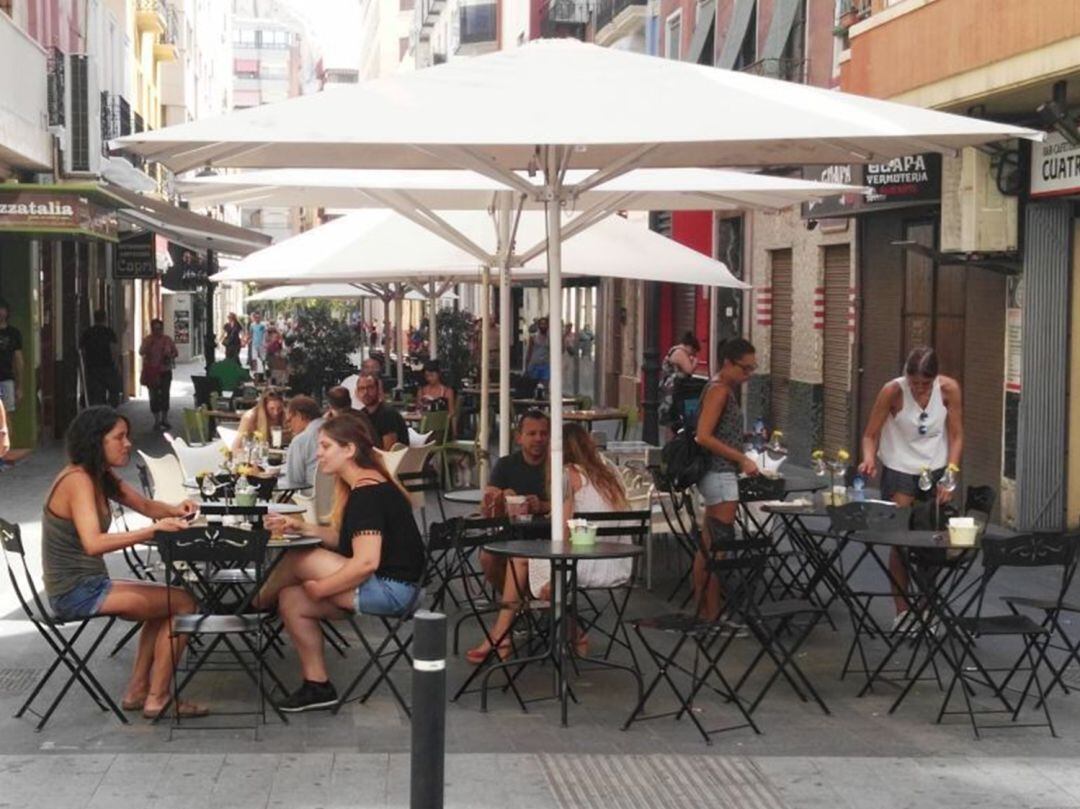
x: 274, y: 39
x: 245, y: 37
x: 673, y: 36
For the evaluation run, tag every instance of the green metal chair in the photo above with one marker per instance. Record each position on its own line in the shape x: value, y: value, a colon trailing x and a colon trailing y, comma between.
x: 196, y: 425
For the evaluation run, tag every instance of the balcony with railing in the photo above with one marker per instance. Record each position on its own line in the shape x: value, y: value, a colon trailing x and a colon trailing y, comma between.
x: 561, y: 18
x: 151, y: 15
x: 167, y: 45
x: 616, y: 19
x: 795, y: 70
x: 478, y: 28
x: 24, y: 99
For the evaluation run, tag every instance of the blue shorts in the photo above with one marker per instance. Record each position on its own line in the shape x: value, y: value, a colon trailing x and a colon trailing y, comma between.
x: 379, y: 596
x: 84, y: 600
x: 719, y: 487
x: 539, y: 373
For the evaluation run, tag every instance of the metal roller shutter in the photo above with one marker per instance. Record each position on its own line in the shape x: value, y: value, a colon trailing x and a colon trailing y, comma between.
x: 780, y: 354
x: 836, y: 362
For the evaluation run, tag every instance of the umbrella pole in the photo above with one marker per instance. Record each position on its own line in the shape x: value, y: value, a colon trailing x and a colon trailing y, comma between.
x: 714, y: 311
x: 504, y: 325
x: 399, y: 298
x: 485, y: 373
x: 555, y: 389
x: 433, y: 331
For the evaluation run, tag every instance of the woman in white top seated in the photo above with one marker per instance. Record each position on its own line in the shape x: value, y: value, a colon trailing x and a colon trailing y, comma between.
x: 592, y: 485
x: 917, y: 423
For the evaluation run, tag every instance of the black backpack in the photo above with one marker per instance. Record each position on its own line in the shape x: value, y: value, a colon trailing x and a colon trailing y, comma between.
x: 684, y: 461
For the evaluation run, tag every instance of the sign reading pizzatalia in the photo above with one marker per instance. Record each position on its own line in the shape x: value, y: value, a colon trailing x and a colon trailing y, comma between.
x: 1055, y: 167
x: 59, y: 212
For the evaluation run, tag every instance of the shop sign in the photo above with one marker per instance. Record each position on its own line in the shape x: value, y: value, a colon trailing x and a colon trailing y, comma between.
x: 51, y: 212
x: 909, y: 180
x: 182, y: 326
x: 136, y: 258
x: 1055, y: 167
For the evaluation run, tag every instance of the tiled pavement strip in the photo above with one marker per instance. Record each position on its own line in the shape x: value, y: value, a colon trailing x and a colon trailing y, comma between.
x: 857, y: 757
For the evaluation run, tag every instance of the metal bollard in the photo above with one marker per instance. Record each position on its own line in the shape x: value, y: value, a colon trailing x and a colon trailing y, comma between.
x: 428, y: 711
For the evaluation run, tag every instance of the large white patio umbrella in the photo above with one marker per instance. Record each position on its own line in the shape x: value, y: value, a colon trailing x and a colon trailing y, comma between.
x: 342, y: 292
x: 555, y: 105
x: 367, y: 247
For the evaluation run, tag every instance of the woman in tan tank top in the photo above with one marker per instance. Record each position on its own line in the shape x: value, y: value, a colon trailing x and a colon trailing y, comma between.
x: 75, y: 537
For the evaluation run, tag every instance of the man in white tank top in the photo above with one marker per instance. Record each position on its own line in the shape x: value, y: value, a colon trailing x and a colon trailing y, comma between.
x: 916, y: 424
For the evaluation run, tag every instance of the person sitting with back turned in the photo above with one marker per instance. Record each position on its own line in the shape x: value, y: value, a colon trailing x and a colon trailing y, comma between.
x: 389, y: 425
x: 372, y: 562
x: 303, y: 418
x: 523, y: 473
x: 338, y: 402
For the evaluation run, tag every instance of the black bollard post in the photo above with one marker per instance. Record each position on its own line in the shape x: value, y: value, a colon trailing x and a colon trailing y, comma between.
x: 428, y: 711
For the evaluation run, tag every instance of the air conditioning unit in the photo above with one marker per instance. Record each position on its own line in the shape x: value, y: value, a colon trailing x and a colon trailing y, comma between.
x: 81, y: 144
x: 975, y: 216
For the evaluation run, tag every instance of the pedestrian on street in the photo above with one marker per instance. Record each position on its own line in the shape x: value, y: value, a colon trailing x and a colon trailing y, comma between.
x: 538, y: 354
x: 916, y: 425
x: 679, y: 363
x: 159, y: 357
x: 99, y: 349
x: 257, y: 342
x: 232, y: 337
x: 11, y: 361
x: 75, y: 538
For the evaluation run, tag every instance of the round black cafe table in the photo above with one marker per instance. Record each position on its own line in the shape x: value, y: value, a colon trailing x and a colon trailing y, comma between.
x: 564, y: 558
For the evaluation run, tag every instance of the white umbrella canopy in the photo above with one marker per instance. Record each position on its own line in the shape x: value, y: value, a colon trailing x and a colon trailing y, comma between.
x: 642, y: 189
x: 373, y: 247
x: 607, y: 103
x: 555, y: 105
x: 330, y: 292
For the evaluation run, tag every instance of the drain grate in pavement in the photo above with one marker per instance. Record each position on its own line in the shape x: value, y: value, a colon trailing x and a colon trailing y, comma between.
x: 673, y: 782
x: 17, y: 681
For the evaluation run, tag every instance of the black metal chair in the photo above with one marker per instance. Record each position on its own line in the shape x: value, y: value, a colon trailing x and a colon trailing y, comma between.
x: 204, y: 386
x: 1037, y: 550
x: 632, y: 525
x: 786, y: 574
x: 205, y: 551
x: 55, y: 631
x: 677, y: 506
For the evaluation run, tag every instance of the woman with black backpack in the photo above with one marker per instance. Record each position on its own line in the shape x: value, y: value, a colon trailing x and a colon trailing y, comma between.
x: 720, y: 433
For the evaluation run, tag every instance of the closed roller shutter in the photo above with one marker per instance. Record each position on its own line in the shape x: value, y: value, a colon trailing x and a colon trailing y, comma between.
x: 684, y: 311
x: 780, y: 355
x: 836, y: 363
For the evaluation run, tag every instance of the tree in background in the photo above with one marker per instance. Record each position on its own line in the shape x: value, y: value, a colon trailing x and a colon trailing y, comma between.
x: 319, y: 348
x: 458, y: 341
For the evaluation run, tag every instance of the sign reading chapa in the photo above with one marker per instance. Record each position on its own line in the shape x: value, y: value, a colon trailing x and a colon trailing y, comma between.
x: 1055, y: 167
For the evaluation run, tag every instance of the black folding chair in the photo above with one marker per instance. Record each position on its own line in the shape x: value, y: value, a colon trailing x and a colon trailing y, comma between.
x: 423, y: 482
x: 739, y: 570
x: 205, y: 551
x: 394, y: 646
x: 55, y: 632
x: 787, y: 572
x: 632, y: 525
x: 1037, y: 550
x: 677, y: 506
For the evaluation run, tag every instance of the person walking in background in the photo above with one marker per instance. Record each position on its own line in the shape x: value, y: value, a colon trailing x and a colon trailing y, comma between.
x: 159, y: 356
x: 257, y: 342
x: 916, y: 424
x: 679, y: 363
x: 11, y: 361
x: 232, y: 337
x: 538, y: 353
x: 720, y: 433
x: 99, y: 349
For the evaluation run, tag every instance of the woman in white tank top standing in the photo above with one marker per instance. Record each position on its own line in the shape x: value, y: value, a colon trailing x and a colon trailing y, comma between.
x: 916, y: 424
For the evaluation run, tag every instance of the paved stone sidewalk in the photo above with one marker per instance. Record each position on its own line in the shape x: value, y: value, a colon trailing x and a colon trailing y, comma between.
x: 559, y: 781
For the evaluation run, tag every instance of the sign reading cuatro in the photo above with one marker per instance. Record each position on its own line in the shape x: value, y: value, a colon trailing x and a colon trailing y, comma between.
x: 1055, y: 167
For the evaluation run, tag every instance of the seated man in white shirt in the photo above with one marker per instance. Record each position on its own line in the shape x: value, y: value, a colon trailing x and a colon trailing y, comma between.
x: 303, y: 419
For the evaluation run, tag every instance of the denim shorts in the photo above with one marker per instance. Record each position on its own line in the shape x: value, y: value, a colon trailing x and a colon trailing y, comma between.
x: 719, y: 487
x: 379, y: 596
x: 7, y: 395
x: 894, y: 482
x: 82, y: 601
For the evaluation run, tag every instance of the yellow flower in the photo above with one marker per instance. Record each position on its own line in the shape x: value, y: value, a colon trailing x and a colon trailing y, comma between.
x: 224, y: 450
x: 777, y: 434
x: 843, y: 456
x: 257, y: 435
x: 817, y: 454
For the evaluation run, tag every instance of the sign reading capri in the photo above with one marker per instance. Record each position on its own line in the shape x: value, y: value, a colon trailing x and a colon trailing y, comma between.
x: 1055, y: 167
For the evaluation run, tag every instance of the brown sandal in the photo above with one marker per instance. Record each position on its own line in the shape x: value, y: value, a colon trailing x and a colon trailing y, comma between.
x: 188, y: 710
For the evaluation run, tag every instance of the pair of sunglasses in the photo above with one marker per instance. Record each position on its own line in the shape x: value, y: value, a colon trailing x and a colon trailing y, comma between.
x: 923, y: 428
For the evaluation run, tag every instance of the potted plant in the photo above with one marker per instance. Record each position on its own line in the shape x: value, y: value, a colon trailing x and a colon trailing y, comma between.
x: 848, y: 15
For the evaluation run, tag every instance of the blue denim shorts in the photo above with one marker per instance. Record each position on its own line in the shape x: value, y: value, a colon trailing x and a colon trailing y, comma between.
x: 719, y: 487
x: 379, y: 596
x: 82, y: 601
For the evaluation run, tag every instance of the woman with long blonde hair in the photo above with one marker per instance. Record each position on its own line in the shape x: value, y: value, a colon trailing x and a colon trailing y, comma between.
x: 268, y: 412
x: 371, y: 560
x: 592, y: 485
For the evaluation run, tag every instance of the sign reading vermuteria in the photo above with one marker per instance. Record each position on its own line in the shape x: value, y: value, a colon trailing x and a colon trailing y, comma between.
x: 53, y: 212
x: 136, y: 258
x: 1055, y: 167
x: 902, y: 181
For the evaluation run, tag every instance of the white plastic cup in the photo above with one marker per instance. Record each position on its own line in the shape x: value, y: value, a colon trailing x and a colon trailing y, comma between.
x: 275, y: 437
x: 517, y: 507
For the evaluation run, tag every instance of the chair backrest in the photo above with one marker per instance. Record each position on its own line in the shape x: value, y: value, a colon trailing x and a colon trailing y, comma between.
x: 437, y: 422
x: 196, y: 426
x: 227, y: 434
x: 22, y: 582
x: 633, y: 524
x: 414, y: 459
x: 323, y: 496
x: 204, y: 386
x: 473, y: 532
x: 1033, y: 550
x: 213, y: 544
x: 194, y: 460
x: 166, y: 478
x: 868, y: 516
x: 392, y: 458
x: 757, y: 488
x: 738, y: 564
